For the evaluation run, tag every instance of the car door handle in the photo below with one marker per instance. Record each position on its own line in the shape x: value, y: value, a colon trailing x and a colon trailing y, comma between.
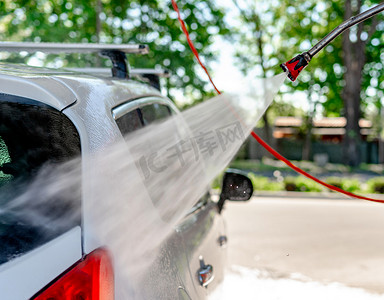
x: 205, y: 273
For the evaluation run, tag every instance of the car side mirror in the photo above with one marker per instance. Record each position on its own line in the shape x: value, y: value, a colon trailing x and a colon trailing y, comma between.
x: 236, y: 187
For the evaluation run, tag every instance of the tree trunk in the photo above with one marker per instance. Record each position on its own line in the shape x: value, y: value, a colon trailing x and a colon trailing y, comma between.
x: 354, y: 60
x: 307, y: 147
x: 99, y: 9
x: 251, y: 16
x: 267, y: 127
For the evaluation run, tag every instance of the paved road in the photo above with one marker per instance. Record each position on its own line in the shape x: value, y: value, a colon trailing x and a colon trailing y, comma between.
x: 324, y: 240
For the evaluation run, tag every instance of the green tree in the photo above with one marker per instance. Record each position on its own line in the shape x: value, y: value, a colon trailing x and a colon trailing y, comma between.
x: 355, y: 61
x: 151, y: 22
x: 254, y: 39
x: 344, y: 76
x: 280, y: 36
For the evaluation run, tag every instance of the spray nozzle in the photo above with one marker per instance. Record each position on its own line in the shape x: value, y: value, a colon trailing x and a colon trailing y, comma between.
x: 296, y: 65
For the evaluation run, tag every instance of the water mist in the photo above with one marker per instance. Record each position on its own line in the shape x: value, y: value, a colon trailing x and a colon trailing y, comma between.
x: 135, y: 192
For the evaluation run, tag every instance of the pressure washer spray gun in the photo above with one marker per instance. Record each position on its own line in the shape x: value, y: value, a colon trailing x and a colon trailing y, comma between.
x: 294, y: 66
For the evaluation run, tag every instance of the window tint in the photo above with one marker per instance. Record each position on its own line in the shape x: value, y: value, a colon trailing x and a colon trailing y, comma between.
x: 129, y: 122
x: 154, y: 112
x: 142, y: 116
x: 32, y: 136
x: 4, y: 159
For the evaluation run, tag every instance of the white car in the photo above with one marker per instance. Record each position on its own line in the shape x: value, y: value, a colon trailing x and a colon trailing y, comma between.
x: 49, y: 116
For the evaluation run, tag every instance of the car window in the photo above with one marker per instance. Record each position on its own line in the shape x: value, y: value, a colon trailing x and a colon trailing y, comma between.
x: 4, y: 159
x: 154, y: 112
x: 129, y: 122
x: 134, y: 115
x: 32, y: 135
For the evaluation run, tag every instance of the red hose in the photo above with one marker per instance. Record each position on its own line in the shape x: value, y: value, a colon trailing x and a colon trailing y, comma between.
x: 258, y: 138
x: 184, y: 28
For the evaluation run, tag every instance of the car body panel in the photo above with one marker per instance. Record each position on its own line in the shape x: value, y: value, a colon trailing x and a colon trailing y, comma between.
x: 23, y: 276
x: 168, y: 273
x: 201, y: 231
x: 93, y: 118
x: 34, y: 86
x: 92, y: 113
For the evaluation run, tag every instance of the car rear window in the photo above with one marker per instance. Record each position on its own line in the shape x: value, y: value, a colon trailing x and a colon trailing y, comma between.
x: 32, y: 135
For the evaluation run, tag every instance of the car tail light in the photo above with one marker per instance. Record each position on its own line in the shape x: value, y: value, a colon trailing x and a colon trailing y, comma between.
x: 89, y: 279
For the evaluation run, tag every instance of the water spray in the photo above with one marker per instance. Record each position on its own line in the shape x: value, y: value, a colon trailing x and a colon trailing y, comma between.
x: 294, y: 66
x: 297, y: 63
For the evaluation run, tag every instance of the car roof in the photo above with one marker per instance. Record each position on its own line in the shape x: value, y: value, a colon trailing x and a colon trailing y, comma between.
x: 61, y: 88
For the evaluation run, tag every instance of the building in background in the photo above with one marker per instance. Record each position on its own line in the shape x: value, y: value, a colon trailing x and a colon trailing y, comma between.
x: 327, y: 135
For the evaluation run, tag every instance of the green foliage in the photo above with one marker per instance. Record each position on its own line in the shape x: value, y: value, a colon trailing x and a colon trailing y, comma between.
x: 261, y: 183
x: 290, y: 27
x: 217, y: 182
x: 151, y: 22
x: 247, y: 164
x: 376, y: 185
x: 302, y: 184
x: 347, y: 184
x: 4, y: 158
x: 335, y: 181
x: 290, y: 184
x: 352, y: 186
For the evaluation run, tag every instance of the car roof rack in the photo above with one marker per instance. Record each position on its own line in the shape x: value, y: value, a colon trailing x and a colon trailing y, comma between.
x: 152, y: 76
x: 116, y: 53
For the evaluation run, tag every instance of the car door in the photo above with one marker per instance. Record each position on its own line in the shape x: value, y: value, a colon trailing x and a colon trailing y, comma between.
x: 203, y: 233
x: 168, y: 274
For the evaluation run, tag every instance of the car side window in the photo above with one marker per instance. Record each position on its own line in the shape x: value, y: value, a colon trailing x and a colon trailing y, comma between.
x: 135, y: 115
x: 129, y: 122
x: 154, y: 112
